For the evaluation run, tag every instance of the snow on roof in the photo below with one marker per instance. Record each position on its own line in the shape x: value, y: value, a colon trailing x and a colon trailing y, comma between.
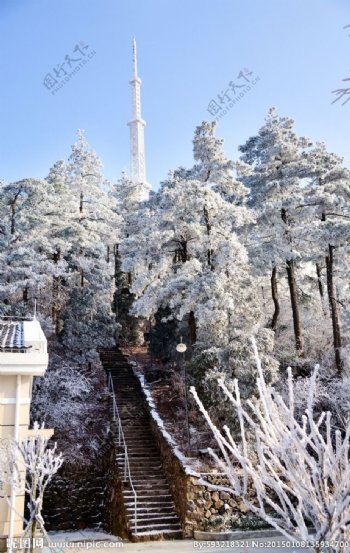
x: 12, y: 336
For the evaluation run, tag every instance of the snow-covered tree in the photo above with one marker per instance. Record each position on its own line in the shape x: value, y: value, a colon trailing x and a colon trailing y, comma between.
x: 23, y: 246
x: 278, y: 168
x: 213, y: 167
x: 188, y: 258
x: 128, y: 197
x: 327, y: 225
x: 60, y: 233
x: 91, y: 278
x: 39, y: 463
x: 186, y: 255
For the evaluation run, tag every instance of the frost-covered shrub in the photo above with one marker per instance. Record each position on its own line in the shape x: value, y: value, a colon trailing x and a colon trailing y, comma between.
x: 331, y: 395
x: 234, y: 361
x: 87, y: 323
x: 69, y: 399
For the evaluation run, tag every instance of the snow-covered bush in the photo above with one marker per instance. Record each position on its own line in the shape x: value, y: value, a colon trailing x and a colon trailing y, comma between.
x: 301, y: 473
x: 70, y: 399
x: 88, y: 324
x: 39, y: 463
x: 331, y: 394
x: 235, y: 361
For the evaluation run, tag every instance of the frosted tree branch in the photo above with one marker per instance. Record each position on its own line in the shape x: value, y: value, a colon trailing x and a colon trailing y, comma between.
x: 300, y: 472
x: 39, y: 464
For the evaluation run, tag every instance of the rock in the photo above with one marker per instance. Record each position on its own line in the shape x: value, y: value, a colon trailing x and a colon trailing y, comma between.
x: 243, y: 508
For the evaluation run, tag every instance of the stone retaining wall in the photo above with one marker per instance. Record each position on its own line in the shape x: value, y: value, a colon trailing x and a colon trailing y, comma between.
x: 80, y: 497
x: 116, y: 515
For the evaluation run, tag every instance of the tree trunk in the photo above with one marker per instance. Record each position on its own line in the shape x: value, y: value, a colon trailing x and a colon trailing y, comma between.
x: 274, y: 292
x: 192, y: 328
x: 13, y: 220
x: 208, y: 227
x: 319, y: 281
x: 293, y: 294
x: 13, y: 210
x: 116, y: 270
x: 337, y: 342
x: 25, y: 294
x: 55, y: 294
x: 295, y: 305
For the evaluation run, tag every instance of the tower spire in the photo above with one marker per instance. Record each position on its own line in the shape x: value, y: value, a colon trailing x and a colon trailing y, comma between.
x: 134, y: 57
x: 137, y: 129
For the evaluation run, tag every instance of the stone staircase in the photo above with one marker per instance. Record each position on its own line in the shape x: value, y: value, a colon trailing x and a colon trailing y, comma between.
x: 155, y: 511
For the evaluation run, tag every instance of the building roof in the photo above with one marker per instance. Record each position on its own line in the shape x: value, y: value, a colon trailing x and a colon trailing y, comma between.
x: 12, y: 336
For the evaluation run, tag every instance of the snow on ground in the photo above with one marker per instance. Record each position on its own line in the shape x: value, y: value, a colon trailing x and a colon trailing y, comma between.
x: 191, y: 546
x: 82, y: 540
x: 89, y: 540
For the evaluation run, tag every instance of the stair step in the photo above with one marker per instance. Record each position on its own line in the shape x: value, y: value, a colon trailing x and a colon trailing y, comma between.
x: 159, y: 480
x: 170, y: 526
x: 154, y: 495
x: 150, y: 490
x: 131, y: 450
x: 143, y: 468
x: 160, y: 519
x: 136, y: 455
x: 141, y: 475
x: 142, y: 455
x: 129, y: 505
x: 164, y: 534
x: 156, y: 498
x: 140, y: 460
x: 135, y: 443
x: 138, y: 437
x: 147, y: 492
x: 154, y: 509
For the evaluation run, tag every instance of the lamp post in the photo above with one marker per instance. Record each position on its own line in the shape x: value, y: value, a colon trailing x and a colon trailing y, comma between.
x: 181, y: 348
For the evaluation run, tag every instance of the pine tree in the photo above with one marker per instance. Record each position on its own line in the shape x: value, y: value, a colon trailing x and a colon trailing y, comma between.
x: 328, y: 216
x: 25, y: 268
x: 91, y: 271
x: 177, y: 263
x: 278, y: 166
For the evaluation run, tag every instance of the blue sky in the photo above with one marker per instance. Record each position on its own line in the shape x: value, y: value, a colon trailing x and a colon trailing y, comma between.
x: 189, y: 50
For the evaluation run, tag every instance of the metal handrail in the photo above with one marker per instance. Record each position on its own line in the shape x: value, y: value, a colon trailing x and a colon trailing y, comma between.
x: 122, y: 443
